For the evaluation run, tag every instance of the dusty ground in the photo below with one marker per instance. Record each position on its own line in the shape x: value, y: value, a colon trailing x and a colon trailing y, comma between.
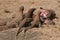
x: 43, y: 33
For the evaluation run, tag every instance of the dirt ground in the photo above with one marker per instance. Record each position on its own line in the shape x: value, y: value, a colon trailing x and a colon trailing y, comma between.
x: 51, y: 32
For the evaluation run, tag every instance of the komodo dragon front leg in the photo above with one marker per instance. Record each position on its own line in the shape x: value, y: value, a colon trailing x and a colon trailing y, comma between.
x: 22, y: 23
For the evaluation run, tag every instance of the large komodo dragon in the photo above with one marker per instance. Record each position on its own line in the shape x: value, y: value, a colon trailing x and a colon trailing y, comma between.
x: 27, y: 19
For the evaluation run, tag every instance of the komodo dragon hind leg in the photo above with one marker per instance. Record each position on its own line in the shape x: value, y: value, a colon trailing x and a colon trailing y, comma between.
x: 21, y: 25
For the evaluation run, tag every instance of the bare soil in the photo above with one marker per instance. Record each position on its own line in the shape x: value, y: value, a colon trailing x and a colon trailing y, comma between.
x: 10, y: 9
